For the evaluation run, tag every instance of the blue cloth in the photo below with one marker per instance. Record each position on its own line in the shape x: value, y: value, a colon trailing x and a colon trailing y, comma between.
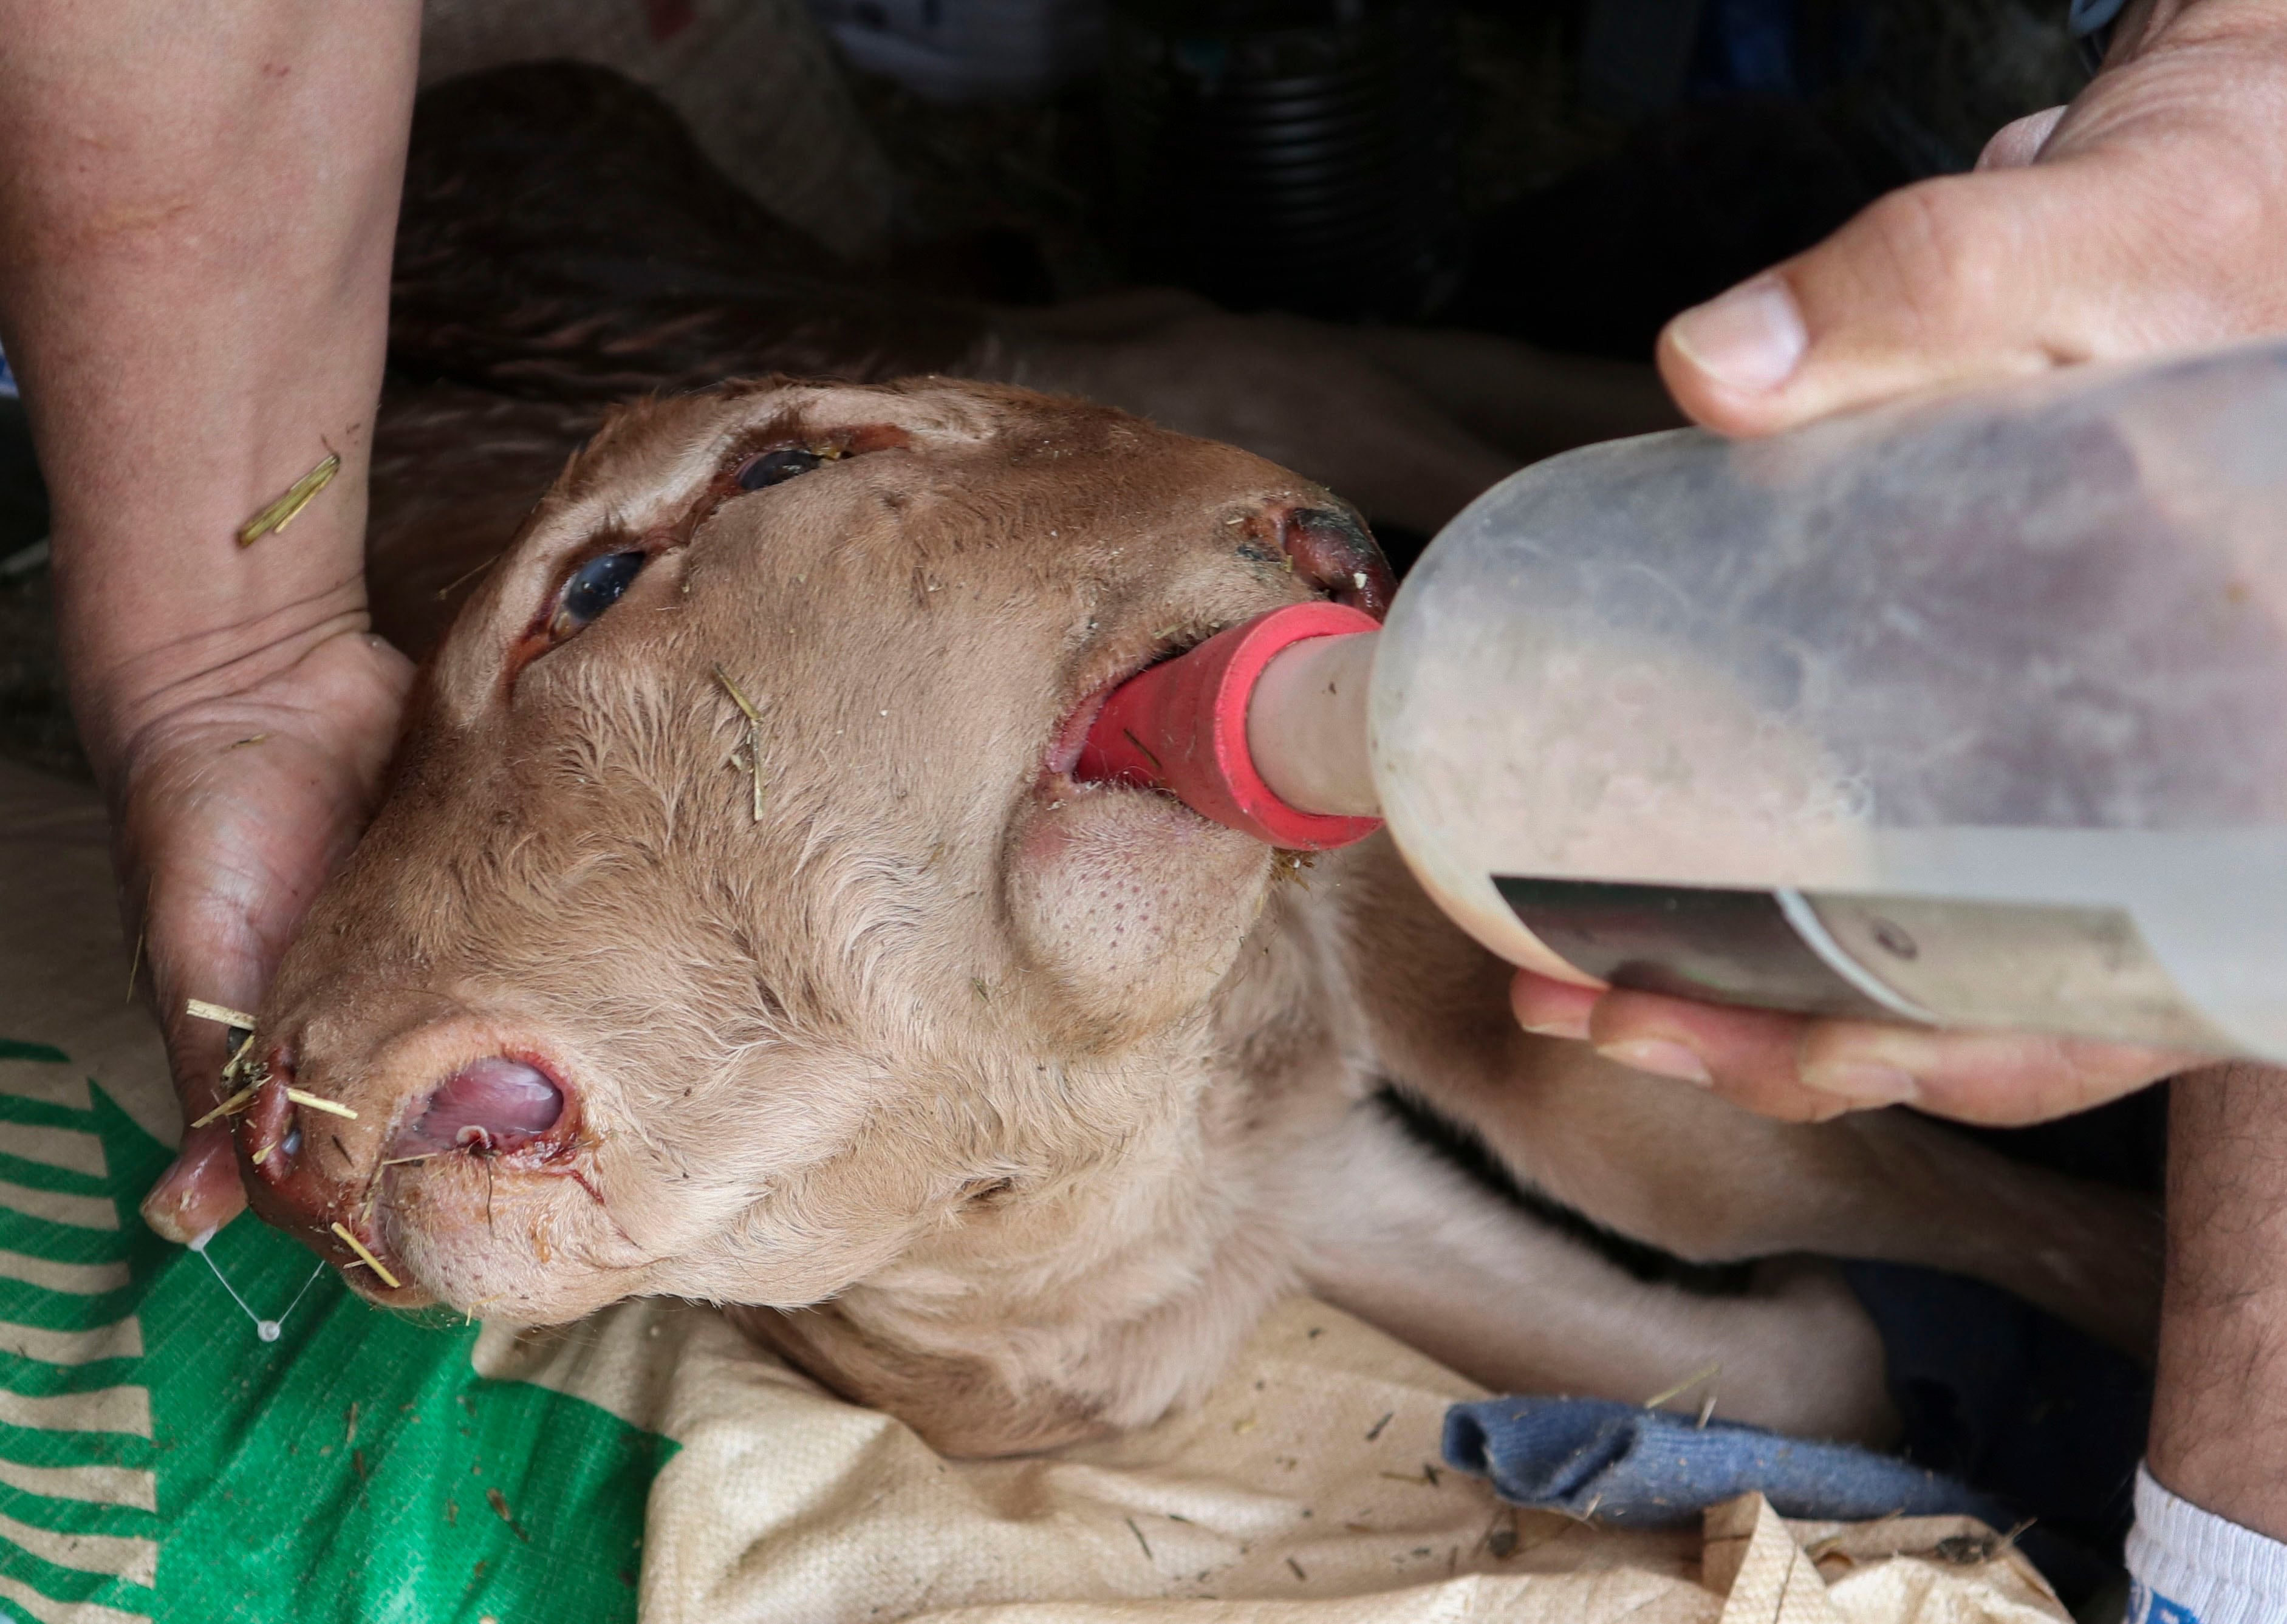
x: 1649, y: 1469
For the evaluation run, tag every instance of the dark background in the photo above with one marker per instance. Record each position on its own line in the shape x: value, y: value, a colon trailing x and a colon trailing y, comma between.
x: 1569, y: 172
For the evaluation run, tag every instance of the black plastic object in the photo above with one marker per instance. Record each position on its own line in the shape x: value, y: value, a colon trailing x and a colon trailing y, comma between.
x: 1708, y: 942
x: 23, y: 497
x: 1297, y: 155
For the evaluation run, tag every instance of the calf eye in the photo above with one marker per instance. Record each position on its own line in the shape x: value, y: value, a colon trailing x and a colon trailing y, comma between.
x: 594, y: 587
x: 776, y: 467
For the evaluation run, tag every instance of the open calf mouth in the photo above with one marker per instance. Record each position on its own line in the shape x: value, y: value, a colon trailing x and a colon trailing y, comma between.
x: 1071, y: 736
x: 489, y: 1107
x: 1325, y: 548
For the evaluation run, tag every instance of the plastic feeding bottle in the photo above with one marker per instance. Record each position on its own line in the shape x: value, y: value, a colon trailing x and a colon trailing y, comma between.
x: 1969, y: 710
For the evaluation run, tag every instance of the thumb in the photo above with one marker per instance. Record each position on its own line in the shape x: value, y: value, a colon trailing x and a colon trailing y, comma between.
x: 1989, y: 274
x: 199, y: 1192
x: 2019, y: 141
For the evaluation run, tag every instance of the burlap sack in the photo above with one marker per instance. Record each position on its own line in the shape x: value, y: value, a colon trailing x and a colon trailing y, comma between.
x: 756, y: 80
x: 161, y: 1458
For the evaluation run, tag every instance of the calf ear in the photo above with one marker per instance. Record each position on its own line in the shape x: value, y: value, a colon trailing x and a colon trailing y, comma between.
x: 1130, y: 914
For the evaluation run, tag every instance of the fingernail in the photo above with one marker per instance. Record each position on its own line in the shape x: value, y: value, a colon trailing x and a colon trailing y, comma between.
x: 1551, y: 1009
x: 1659, y: 1057
x: 1561, y: 1026
x: 197, y: 1194
x: 166, y: 1205
x: 1862, y: 1081
x: 1751, y: 338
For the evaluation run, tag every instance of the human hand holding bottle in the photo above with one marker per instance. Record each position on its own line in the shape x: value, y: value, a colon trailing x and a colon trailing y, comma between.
x: 2147, y: 216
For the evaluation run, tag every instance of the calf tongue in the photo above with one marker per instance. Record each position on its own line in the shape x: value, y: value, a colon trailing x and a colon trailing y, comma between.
x: 487, y: 1104
x: 1181, y: 726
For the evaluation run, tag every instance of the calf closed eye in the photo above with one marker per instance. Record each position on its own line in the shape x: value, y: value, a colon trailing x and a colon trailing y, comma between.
x: 594, y: 587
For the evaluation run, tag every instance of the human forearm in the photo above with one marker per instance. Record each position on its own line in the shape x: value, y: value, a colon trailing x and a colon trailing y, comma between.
x: 196, y: 216
x: 196, y: 210
x: 2220, y: 1416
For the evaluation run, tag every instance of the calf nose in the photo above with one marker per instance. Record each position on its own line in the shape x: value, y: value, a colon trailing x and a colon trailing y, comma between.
x: 276, y: 1142
x: 492, y: 1104
x: 306, y: 1152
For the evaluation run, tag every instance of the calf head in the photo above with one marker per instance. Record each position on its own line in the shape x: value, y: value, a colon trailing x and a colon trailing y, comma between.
x: 732, y: 919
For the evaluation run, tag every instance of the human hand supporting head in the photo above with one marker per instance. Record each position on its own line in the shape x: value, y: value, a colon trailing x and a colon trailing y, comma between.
x: 2147, y: 216
x: 229, y: 810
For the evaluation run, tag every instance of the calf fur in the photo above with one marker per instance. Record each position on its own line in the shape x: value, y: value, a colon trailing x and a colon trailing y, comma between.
x: 1003, y: 1102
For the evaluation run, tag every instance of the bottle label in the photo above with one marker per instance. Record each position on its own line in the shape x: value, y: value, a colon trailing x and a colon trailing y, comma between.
x: 2038, y: 967
x: 1692, y: 942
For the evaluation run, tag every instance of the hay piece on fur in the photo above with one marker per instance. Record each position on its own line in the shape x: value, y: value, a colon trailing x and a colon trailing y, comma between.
x: 1288, y: 867
x: 466, y: 576
x: 334, y: 1108
x: 288, y: 507
x: 754, y: 734
x: 367, y: 1258
x: 745, y: 707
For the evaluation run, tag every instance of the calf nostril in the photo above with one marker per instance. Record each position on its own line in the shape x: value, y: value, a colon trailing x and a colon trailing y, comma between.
x: 481, y: 1105
x: 272, y: 1130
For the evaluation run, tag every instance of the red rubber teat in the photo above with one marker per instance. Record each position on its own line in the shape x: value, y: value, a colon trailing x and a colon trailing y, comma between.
x: 1181, y: 727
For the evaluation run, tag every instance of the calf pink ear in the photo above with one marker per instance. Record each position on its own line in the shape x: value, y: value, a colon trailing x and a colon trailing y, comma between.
x: 1333, y: 552
x: 1181, y: 726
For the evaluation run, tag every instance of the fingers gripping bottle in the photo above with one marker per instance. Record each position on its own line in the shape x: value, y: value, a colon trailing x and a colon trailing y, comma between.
x: 1968, y: 709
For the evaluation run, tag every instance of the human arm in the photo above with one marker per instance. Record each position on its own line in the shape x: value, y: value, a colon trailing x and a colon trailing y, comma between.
x: 2219, y: 1409
x: 196, y: 216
